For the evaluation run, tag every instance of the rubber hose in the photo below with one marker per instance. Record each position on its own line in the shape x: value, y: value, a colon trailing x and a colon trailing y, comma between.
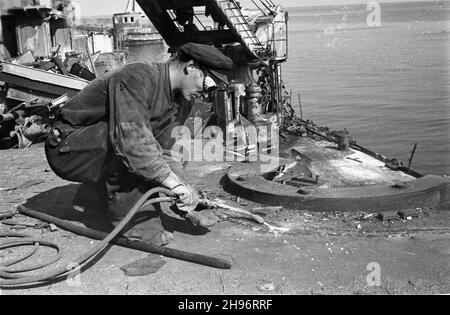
x: 12, y: 273
x: 20, y: 259
x: 124, y: 242
x: 81, y: 261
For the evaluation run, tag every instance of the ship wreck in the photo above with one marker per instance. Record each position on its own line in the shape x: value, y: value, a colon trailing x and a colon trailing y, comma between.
x: 45, y: 56
x: 317, y: 169
x: 133, y: 28
x: 320, y: 169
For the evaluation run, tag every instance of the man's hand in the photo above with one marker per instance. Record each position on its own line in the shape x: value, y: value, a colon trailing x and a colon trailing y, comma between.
x: 55, y: 137
x: 189, y: 198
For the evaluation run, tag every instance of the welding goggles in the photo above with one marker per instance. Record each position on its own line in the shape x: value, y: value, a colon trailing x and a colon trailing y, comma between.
x: 211, y: 79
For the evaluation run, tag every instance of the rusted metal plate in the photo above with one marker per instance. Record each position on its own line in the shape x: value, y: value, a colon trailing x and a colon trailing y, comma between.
x: 27, y: 95
x: 427, y: 191
x: 34, y: 37
x: 341, y: 169
x: 44, y: 76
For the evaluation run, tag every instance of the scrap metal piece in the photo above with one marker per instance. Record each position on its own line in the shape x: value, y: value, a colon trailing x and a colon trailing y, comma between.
x: 400, y: 185
x: 306, y: 190
x: 291, y: 171
x: 144, y: 267
x: 343, y: 140
x: 389, y: 216
x: 353, y: 159
x: 39, y: 80
x: 7, y: 215
x: 404, y: 214
x: 427, y: 191
x: 267, y: 210
x: 23, y: 94
x: 222, y: 205
x: 413, y: 152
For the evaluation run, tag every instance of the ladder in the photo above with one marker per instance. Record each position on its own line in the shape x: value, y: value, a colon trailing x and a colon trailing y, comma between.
x: 238, y: 22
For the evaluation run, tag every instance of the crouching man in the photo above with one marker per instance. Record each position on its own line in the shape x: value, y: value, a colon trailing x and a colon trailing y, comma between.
x: 109, y: 134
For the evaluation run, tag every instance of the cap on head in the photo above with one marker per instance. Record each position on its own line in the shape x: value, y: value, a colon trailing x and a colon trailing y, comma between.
x: 209, y: 58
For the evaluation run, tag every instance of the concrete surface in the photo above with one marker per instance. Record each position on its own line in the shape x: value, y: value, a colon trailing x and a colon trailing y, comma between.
x: 324, y: 253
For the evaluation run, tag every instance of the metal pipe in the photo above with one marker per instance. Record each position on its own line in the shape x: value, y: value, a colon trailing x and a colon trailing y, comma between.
x: 91, y: 61
x: 11, y: 116
x: 7, y: 215
x: 265, y: 5
x: 300, y: 105
x: 106, y: 239
x: 268, y: 5
x: 412, y: 156
x: 221, y: 204
x: 259, y: 8
x: 124, y: 242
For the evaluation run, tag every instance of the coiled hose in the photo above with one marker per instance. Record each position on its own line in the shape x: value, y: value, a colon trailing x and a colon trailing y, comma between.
x: 12, y: 277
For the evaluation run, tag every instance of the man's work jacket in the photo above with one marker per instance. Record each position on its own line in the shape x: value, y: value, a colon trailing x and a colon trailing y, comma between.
x: 119, y: 113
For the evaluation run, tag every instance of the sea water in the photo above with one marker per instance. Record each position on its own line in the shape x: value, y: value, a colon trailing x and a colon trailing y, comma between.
x: 388, y: 85
x: 386, y: 82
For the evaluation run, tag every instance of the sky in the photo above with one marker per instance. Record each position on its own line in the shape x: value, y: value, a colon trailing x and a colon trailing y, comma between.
x: 109, y: 7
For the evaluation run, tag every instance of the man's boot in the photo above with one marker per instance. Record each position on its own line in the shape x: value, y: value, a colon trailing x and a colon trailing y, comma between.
x: 124, y: 190
x: 145, y: 226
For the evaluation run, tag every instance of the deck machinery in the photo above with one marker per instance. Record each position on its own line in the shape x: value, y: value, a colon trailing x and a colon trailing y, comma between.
x: 317, y: 174
x: 256, y: 41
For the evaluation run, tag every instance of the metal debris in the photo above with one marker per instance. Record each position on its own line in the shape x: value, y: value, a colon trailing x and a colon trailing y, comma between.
x: 144, y: 267
x: 266, y: 287
x: 25, y: 185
